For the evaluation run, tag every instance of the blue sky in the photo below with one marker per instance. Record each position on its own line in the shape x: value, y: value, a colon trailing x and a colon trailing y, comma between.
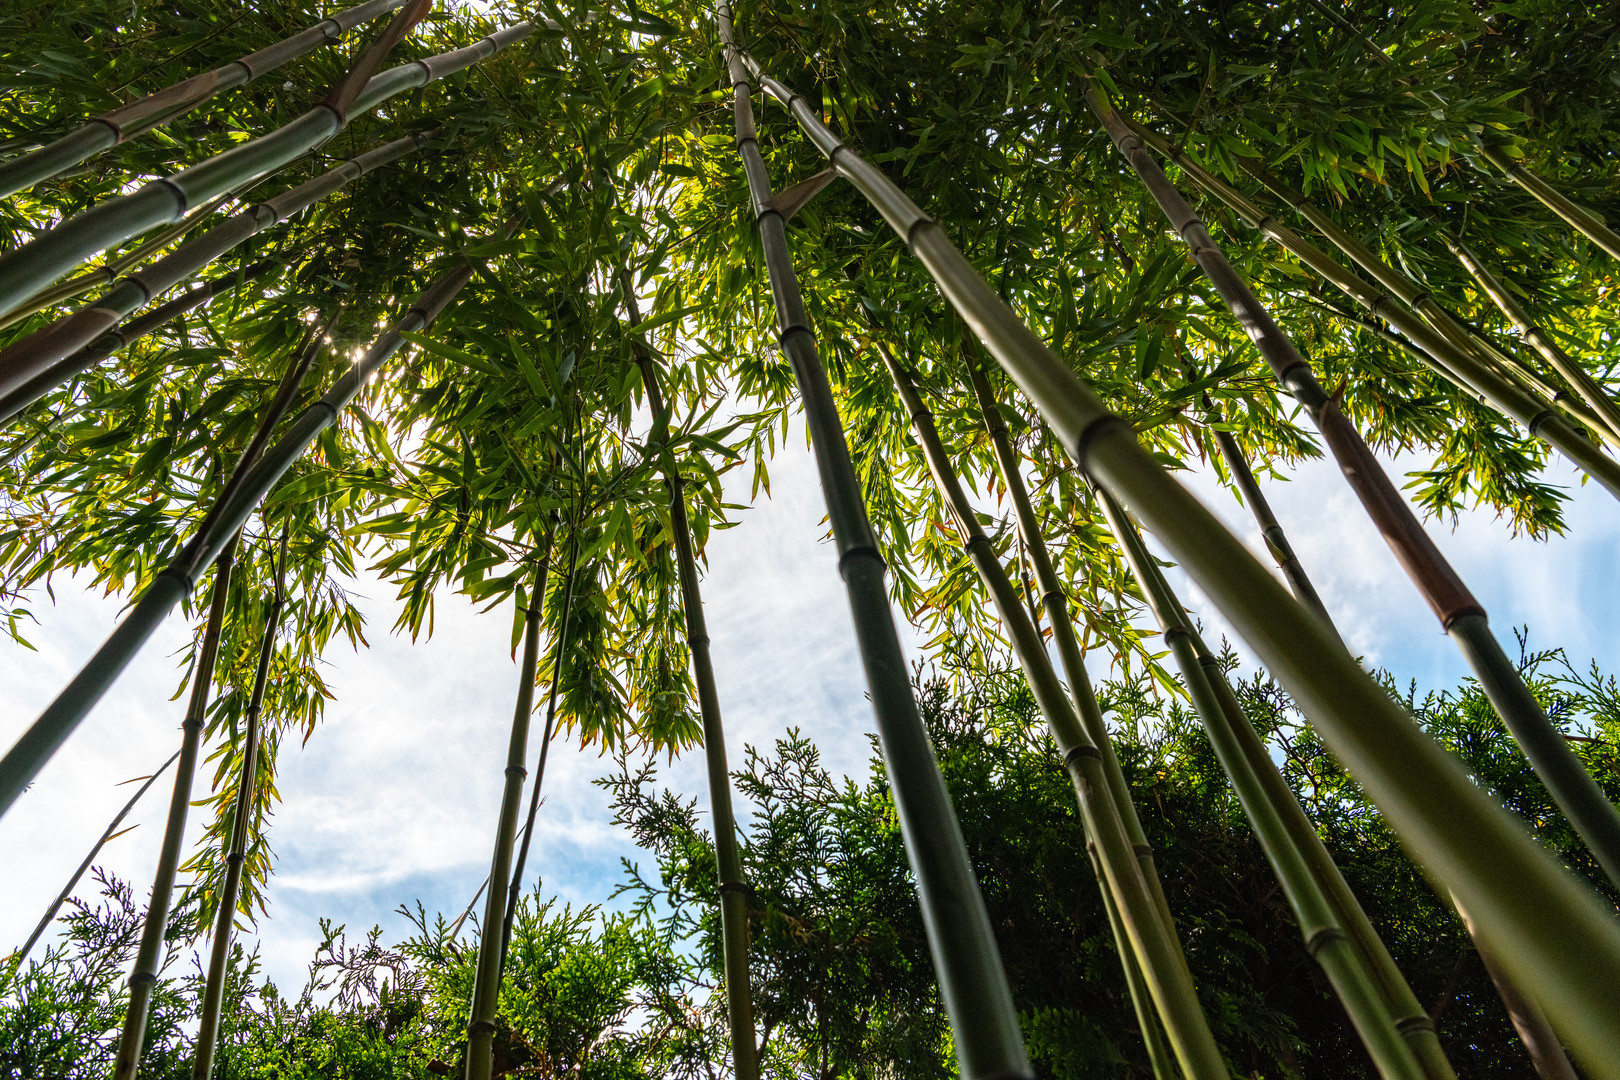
x: 394, y: 797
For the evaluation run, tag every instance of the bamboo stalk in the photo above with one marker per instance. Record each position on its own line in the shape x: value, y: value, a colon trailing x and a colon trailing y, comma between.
x: 1466, y: 348
x: 984, y: 1026
x: 1551, y: 932
x: 1581, y: 220
x: 487, y: 979
x: 1056, y: 602
x: 1386, y: 1014
x: 236, y: 849
x: 33, y: 362
x: 1461, y: 615
x: 1141, y: 912
x: 1540, y: 1042
x: 45, y: 736
x: 1576, y: 375
x: 109, y: 271
x: 149, y: 954
x: 1447, y: 360
x: 16, y: 959
x: 515, y: 887
x: 144, y: 980
x: 733, y: 886
x: 31, y: 267
x: 154, y: 110
x: 120, y: 336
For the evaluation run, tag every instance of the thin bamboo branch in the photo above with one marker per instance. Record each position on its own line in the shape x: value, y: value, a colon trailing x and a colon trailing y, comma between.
x: 1584, y: 221
x: 1152, y: 937
x: 1575, y: 374
x: 154, y: 110
x: 1552, y: 932
x: 16, y: 959
x: 45, y: 736
x: 32, y: 366
x: 236, y: 849
x: 1461, y: 615
x: 130, y: 331
x: 487, y: 979
x: 984, y: 1025
x: 733, y: 887
x: 31, y: 267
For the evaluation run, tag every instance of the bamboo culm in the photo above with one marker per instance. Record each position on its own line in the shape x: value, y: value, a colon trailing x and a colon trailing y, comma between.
x: 1511, y: 400
x: 154, y: 110
x: 514, y: 889
x: 149, y: 953
x: 1467, y: 350
x: 1152, y: 938
x: 17, y: 958
x: 1550, y: 931
x: 1386, y: 1014
x: 1580, y: 219
x: 1577, y: 376
x: 487, y: 979
x: 59, y: 720
x: 33, y: 266
x: 1056, y: 602
x: 122, y: 335
x: 247, y: 784
x: 129, y: 1053
x: 1460, y: 614
x: 33, y: 365
x: 967, y: 963
x: 733, y: 887
x: 109, y: 271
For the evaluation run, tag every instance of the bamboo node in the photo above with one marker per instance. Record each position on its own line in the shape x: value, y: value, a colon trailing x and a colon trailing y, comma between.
x: 1324, y: 936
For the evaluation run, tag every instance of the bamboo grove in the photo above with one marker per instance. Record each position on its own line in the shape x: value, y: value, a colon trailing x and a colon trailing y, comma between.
x: 488, y: 301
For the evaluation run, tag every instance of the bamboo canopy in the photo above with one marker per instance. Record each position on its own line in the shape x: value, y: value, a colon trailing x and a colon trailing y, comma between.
x: 563, y: 417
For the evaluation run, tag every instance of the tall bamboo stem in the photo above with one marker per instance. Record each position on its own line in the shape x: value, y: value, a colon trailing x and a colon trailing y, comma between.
x: 247, y: 785
x: 122, y: 335
x: 45, y: 736
x: 1576, y: 375
x: 1386, y: 1014
x: 733, y: 887
x: 1056, y: 602
x: 1550, y: 931
x: 1138, y: 904
x: 487, y: 980
x: 32, y: 366
x: 31, y: 267
x: 1466, y: 348
x: 1461, y: 615
x: 149, y: 953
x: 157, y: 109
x: 984, y: 1026
x: 514, y: 889
x: 1579, y: 218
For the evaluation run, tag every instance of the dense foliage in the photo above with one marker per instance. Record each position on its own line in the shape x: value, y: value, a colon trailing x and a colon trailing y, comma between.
x: 843, y: 983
